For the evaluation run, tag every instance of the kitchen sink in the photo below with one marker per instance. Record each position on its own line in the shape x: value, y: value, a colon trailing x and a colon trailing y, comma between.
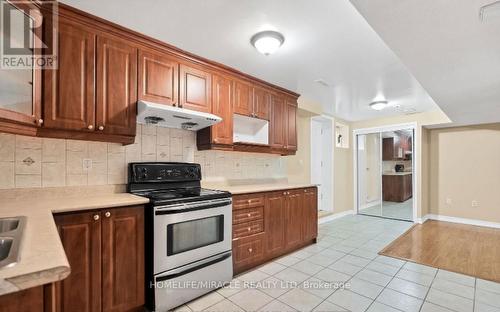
x: 5, y: 247
x: 8, y: 224
x: 11, y: 233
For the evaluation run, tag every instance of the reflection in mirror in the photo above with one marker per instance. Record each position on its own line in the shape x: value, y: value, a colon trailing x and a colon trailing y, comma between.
x: 16, y: 85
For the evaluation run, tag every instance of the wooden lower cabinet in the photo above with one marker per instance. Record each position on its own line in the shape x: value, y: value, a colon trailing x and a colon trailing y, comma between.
x: 105, y: 250
x: 290, y: 221
x: 293, y: 217
x: 275, y: 223
x: 397, y: 188
x: 28, y: 300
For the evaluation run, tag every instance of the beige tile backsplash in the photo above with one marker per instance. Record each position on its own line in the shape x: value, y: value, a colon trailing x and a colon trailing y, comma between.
x: 27, y: 162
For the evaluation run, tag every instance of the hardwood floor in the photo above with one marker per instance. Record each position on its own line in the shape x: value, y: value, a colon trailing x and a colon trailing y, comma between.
x: 466, y: 249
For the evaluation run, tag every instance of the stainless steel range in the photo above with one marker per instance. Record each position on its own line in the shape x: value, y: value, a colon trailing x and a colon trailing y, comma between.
x: 188, y: 233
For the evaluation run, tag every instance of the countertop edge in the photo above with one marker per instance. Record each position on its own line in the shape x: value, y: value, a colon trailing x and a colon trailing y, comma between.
x: 15, y: 283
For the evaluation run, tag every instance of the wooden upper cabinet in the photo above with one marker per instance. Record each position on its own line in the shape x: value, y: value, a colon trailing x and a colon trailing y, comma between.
x: 116, y: 86
x: 261, y: 100
x: 243, y: 98
x: 69, y: 96
x: 123, y: 259
x: 81, y: 238
x: 195, y: 88
x: 278, y: 122
x: 222, y: 133
x: 158, y: 78
x: 291, y: 126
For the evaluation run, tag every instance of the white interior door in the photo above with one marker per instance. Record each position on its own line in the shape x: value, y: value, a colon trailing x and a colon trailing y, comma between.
x: 322, y: 160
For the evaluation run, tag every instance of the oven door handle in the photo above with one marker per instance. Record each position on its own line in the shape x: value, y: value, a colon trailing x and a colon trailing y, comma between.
x: 162, y: 210
x: 193, y: 267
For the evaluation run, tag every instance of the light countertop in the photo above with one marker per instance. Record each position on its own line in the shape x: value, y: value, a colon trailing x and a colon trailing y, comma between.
x: 42, y: 258
x: 257, y: 188
x: 397, y: 173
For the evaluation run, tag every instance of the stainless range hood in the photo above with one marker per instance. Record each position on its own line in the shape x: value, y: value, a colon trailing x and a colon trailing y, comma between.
x: 174, y: 117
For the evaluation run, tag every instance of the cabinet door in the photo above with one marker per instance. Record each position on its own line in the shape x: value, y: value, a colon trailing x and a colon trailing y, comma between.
x: 20, y: 95
x: 116, y: 86
x: 122, y: 258
x: 310, y: 210
x: 195, y: 88
x: 158, y: 78
x: 291, y: 127
x: 28, y: 300
x: 261, y: 100
x: 293, y: 216
x: 278, y: 122
x: 69, y: 95
x: 81, y: 238
x: 222, y: 133
x: 243, y: 98
x: 275, y: 223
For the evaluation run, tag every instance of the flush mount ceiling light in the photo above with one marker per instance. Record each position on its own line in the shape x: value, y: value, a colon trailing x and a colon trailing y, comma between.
x: 379, y: 105
x: 489, y: 11
x: 267, y: 42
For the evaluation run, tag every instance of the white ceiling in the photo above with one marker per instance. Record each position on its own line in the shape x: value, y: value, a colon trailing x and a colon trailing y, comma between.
x: 450, y: 51
x: 325, y: 39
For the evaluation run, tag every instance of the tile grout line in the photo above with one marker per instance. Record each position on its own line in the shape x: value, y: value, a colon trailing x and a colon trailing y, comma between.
x: 429, y: 290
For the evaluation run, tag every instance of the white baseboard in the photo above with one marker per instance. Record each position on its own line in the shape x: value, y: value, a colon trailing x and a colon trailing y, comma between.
x: 335, y: 216
x: 460, y: 220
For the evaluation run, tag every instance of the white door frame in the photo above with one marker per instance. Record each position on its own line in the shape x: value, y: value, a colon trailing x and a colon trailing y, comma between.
x: 415, y: 168
x: 331, y: 122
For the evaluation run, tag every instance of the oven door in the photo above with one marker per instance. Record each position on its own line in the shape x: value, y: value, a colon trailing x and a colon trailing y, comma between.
x: 186, y: 233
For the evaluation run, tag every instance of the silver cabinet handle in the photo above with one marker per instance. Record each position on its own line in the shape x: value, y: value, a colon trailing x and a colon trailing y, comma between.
x: 90, y: 127
x: 250, y: 250
x: 101, y: 128
x: 107, y: 214
x: 96, y: 217
x: 40, y: 121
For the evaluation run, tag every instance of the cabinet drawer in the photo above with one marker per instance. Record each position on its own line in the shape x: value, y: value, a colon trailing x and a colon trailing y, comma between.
x: 247, y: 229
x: 247, y: 215
x: 248, y: 251
x: 247, y: 201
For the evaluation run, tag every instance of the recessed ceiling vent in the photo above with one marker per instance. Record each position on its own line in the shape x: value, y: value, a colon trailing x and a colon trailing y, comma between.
x: 489, y: 12
x: 322, y: 82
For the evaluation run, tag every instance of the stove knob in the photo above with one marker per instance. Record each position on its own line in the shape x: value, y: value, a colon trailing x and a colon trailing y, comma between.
x: 144, y: 176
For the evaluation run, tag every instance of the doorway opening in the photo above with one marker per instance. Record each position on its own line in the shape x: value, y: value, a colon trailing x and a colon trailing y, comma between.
x: 385, y: 172
x: 322, y: 162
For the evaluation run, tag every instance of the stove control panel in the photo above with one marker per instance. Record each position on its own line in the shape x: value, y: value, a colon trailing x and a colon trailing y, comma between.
x: 164, y: 172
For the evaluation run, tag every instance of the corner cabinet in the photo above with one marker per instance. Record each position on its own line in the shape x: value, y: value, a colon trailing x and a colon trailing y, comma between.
x: 105, y: 250
x: 271, y: 224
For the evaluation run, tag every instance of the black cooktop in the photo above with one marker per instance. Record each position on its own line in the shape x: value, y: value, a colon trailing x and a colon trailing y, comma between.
x: 182, y: 195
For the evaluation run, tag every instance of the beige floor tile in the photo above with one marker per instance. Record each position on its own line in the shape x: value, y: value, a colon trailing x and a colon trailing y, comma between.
x: 350, y: 300
x: 251, y: 299
x: 224, y: 306
x: 301, y: 300
x: 276, y: 306
x: 204, y: 302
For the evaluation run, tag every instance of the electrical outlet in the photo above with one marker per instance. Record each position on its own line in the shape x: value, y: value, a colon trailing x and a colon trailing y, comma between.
x: 87, y: 164
x: 448, y: 201
x: 475, y: 203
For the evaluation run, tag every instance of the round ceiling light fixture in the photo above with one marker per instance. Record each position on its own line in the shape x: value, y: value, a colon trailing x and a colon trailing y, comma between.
x: 379, y: 105
x: 267, y: 42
